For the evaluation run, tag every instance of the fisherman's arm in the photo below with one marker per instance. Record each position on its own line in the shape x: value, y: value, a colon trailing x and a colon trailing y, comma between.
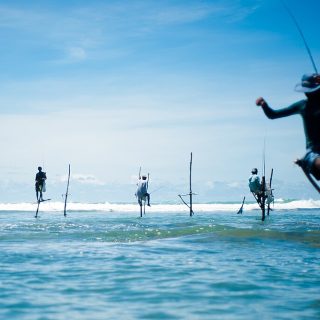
x: 295, y: 108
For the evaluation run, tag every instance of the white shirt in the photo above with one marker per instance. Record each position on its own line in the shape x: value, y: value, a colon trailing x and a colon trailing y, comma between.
x: 142, y: 188
x: 254, y: 183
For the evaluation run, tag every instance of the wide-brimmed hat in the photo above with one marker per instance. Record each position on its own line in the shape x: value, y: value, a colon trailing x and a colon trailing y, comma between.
x: 309, y: 83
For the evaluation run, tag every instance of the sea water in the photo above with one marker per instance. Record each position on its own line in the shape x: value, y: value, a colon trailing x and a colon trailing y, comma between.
x: 105, y: 262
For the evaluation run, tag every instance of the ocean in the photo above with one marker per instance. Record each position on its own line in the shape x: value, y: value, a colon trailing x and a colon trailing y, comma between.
x: 105, y: 262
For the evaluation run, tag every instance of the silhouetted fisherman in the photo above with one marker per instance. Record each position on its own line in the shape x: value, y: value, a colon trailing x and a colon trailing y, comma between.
x: 40, y: 183
x: 309, y: 109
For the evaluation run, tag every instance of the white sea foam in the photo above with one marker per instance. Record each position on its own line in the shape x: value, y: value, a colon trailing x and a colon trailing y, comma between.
x: 52, y: 206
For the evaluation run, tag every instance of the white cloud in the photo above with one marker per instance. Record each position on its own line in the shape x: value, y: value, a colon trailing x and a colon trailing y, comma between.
x: 210, y: 184
x: 17, y: 18
x: 182, y: 14
x: 72, y: 54
x: 233, y: 184
x: 87, y: 179
x: 77, y: 53
x: 81, y: 178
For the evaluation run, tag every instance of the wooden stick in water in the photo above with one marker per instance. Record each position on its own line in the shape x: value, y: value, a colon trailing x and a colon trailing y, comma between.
x: 66, y: 195
x: 190, y: 182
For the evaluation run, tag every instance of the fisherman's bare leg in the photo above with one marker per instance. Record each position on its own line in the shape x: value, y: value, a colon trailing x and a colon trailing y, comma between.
x: 148, y: 199
x: 37, y: 191
x: 40, y: 190
x: 259, y: 196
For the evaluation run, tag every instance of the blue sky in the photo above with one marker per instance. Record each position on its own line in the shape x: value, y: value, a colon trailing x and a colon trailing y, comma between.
x: 109, y: 86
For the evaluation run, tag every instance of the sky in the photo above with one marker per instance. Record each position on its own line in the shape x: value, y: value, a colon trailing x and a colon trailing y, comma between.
x: 109, y: 86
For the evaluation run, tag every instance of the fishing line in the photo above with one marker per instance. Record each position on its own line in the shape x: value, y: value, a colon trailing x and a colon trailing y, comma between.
x: 301, y: 34
x: 264, y: 157
x: 157, y: 189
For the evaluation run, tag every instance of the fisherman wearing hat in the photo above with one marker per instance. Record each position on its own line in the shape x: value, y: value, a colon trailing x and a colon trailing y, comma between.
x: 40, y: 183
x: 142, y: 190
x: 309, y: 109
x: 255, y: 185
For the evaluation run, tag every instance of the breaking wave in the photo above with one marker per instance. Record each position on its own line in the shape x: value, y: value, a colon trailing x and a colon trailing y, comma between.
x: 53, y: 206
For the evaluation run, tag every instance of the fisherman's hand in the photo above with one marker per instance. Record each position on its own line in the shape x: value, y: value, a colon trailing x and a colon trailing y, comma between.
x: 260, y: 102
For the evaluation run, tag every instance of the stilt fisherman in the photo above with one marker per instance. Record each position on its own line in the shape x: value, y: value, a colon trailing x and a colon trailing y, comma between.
x: 309, y: 109
x: 41, y: 177
x: 255, y: 185
x: 142, y: 190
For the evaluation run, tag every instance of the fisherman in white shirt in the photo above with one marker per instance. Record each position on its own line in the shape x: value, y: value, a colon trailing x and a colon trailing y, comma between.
x: 142, y: 190
x: 254, y: 184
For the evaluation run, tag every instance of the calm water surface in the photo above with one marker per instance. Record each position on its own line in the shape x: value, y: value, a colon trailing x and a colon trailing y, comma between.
x: 95, y: 265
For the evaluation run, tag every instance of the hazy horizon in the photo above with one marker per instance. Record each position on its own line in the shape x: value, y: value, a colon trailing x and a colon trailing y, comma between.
x: 112, y: 86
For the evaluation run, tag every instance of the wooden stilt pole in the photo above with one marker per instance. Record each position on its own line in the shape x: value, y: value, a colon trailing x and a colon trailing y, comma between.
x: 36, y: 216
x: 241, y: 208
x: 263, y: 198
x: 190, y: 194
x: 66, y: 194
x: 190, y: 182
x: 269, y: 194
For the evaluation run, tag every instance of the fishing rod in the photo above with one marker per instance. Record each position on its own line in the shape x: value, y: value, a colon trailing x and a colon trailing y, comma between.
x: 301, y: 34
x: 264, y: 157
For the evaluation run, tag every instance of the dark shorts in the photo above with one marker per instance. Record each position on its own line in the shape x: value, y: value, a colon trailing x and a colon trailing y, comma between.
x: 310, y: 158
x: 39, y: 186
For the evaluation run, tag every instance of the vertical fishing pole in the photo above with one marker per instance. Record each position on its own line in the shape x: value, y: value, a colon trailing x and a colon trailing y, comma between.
x: 144, y: 203
x: 66, y: 195
x: 264, y: 157
x: 263, y: 182
x: 270, y: 195
x: 140, y: 200
x: 301, y: 34
x: 36, y: 216
x: 190, y: 184
x: 190, y: 194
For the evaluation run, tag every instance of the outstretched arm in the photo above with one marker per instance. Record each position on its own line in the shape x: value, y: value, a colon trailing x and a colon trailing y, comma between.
x: 285, y: 112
